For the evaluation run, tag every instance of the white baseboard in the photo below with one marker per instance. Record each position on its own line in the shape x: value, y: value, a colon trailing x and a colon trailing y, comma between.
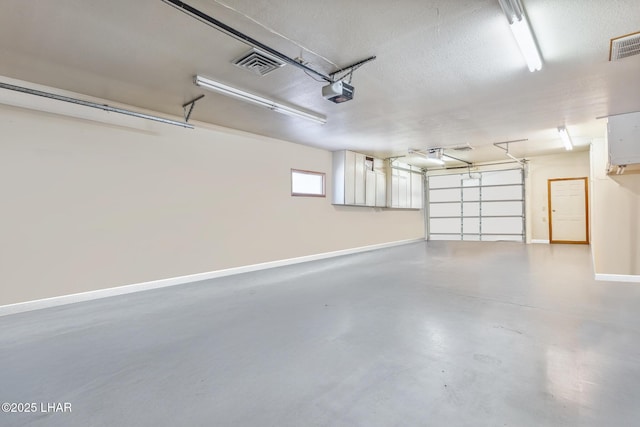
x: 612, y: 277
x: 181, y: 280
x: 618, y: 277
x: 540, y: 241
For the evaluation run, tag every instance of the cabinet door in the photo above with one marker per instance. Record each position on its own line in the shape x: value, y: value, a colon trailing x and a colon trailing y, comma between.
x: 403, y: 192
x: 370, y: 189
x: 349, y: 178
x: 416, y: 191
x: 337, y: 183
x: 381, y: 189
x: 360, y: 177
x: 395, y: 191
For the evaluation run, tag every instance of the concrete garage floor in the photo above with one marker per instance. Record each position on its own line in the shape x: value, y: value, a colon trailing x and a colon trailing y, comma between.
x: 426, y: 334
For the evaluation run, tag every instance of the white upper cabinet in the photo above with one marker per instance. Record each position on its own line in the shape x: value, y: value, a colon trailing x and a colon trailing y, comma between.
x: 370, y: 188
x: 356, y: 179
x: 381, y: 189
x: 360, y: 179
x: 405, y: 187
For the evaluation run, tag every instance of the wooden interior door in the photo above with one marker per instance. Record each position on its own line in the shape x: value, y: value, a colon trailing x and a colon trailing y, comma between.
x: 568, y: 210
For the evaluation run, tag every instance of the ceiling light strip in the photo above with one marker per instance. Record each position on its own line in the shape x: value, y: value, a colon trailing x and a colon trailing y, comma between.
x: 522, y: 32
x: 104, y: 107
x: 566, y: 138
x: 257, y: 100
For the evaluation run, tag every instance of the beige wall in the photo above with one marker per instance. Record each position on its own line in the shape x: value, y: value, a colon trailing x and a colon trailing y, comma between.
x: 573, y: 164
x: 88, y: 205
x: 616, y: 217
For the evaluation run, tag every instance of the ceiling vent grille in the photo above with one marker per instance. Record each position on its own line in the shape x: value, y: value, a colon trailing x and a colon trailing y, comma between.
x: 463, y: 148
x: 624, y: 46
x: 258, y: 62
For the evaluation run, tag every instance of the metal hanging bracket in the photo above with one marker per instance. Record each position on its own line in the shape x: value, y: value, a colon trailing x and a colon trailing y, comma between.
x: 506, y: 150
x: 190, y: 104
x: 350, y: 69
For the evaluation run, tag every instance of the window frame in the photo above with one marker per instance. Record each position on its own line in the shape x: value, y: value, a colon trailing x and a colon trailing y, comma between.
x: 314, y: 173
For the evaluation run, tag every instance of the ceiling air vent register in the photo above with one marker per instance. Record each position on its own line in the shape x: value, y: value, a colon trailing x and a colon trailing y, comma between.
x: 258, y: 62
x: 624, y: 46
x: 466, y: 147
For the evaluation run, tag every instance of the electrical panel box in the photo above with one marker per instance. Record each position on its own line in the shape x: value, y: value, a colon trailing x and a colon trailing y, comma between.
x: 623, y: 133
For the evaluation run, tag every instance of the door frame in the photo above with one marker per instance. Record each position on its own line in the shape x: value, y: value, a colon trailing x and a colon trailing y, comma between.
x: 586, y: 210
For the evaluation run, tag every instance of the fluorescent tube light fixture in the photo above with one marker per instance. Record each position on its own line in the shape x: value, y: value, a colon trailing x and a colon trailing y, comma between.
x: 522, y: 32
x: 566, y: 138
x: 257, y: 100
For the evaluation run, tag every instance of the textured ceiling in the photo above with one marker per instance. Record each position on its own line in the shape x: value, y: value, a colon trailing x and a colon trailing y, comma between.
x: 447, y: 73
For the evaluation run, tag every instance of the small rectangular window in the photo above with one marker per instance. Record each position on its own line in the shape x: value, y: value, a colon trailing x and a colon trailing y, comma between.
x: 307, y: 183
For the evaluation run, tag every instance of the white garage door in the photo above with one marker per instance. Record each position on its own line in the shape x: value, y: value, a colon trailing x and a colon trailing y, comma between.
x: 486, y: 206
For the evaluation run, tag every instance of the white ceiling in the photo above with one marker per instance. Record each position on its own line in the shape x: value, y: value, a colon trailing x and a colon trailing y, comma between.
x: 447, y: 73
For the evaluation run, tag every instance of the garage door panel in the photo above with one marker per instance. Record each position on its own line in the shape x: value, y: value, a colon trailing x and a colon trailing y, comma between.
x: 445, y: 209
x: 442, y: 181
x: 448, y: 195
x: 501, y: 238
x: 502, y: 208
x: 444, y: 237
x: 466, y: 182
x: 470, y: 225
x: 471, y: 209
x: 470, y: 194
x: 511, y: 192
x: 445, y: 225
x: 513, y: 176
x: 501, y: 225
